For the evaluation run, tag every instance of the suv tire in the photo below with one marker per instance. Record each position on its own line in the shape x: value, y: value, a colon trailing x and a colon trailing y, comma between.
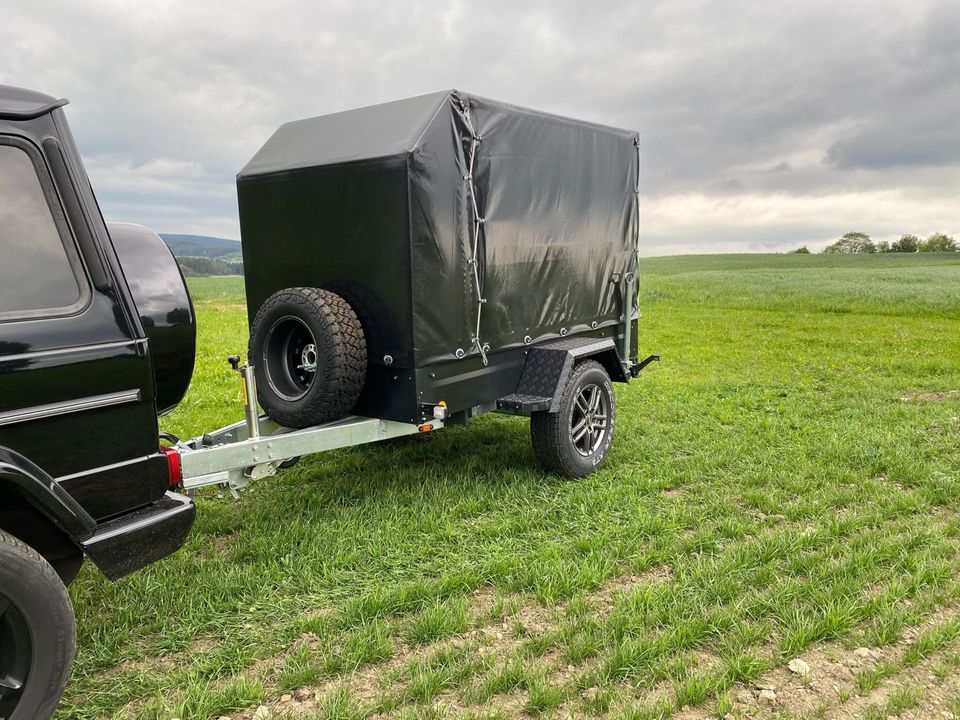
x: 37, y: 633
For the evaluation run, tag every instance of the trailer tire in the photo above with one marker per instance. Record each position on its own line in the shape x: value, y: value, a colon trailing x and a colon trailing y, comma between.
x: 309, y: 356
x: 574, y: 441
x: 37, y: 633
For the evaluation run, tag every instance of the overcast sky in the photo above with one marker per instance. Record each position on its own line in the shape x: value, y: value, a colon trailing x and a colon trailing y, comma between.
x: 765, y: 125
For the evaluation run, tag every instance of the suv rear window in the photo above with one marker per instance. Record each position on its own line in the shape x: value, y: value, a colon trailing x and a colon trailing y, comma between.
x: 37, y: 265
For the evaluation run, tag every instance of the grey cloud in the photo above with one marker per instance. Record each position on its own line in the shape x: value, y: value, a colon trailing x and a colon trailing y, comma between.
x: 722, y: 92
x: 907, y: 139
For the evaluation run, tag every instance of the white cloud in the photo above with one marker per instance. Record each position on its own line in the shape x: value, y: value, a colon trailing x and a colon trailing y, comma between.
x: 778, y: 222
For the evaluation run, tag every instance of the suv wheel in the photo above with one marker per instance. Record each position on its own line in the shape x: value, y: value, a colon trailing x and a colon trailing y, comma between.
x: 574, y: 441
x: 37, y: 634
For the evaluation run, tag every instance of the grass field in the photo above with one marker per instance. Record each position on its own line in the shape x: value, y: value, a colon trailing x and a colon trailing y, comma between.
x: 785, y: 485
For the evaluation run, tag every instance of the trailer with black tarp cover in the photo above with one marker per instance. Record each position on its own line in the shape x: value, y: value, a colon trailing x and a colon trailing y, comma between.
x: 408, y: 266
x: 463, y: 233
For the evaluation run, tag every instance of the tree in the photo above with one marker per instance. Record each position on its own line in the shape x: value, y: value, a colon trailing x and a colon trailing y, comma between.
x: 192, y: 266
x: 852, y: 243
x: 938, y: 242
x: 906, y: 244
x: 883, y: 246
x: 800, y: 251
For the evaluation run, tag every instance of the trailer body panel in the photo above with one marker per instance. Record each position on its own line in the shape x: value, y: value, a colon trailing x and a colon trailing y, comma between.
x: 457, y: 228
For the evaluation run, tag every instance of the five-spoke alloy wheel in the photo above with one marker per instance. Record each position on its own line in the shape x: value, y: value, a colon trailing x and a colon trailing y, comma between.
x: 588, y: 421
x: 574, y: 440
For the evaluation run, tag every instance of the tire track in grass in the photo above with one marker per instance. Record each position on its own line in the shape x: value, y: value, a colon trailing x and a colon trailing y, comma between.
x: 683, y: 688
x: 941, y: 691
x: 694, y: 692
x: 900, y: 680
x: 784, y: 539
x: 660, y: 670
x: 842, y: 681
x: 687, y: 687
x: 437, y: 672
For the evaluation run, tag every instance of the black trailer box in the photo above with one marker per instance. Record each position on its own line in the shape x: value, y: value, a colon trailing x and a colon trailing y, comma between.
x: 430, y: 212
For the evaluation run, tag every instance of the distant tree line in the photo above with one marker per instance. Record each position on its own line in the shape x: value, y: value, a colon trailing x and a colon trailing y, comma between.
x: 853, y: 243
x: 208, y: 266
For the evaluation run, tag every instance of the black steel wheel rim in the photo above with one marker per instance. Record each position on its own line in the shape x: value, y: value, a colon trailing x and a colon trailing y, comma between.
x: 290, y: 357
x: 589, y: 419
x: 16, y: 655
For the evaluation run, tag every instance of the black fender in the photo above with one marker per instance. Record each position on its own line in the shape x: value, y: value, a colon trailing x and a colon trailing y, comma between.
x: 548, y: 367
x: 165, y: 307
x: 26, y: 480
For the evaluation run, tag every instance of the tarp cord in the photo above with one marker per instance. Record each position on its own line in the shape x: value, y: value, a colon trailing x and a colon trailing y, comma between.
x: 477, y: 222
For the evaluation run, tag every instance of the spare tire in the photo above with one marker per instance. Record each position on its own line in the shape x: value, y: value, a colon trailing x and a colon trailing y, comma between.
x: 309, y: 356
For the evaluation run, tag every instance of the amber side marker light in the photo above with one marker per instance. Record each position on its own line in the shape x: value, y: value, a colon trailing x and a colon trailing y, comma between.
x: 425, y: 428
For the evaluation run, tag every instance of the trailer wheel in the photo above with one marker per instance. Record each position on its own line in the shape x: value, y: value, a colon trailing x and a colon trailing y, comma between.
x: 309, y: 355
x: 575, y: 440
x: 37, y: 633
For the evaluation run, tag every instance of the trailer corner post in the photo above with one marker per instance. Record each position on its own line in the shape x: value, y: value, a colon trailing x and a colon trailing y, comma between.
x: 633, y: 282
x: 628, y: 295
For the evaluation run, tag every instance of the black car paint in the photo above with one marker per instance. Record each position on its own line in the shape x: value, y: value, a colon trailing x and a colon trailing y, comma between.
x: 165, y: 308
x: 43, y: 492
x: 78, y: 393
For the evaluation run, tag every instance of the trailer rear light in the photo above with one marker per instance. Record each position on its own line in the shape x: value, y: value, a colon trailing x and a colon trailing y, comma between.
x: 173, y: 465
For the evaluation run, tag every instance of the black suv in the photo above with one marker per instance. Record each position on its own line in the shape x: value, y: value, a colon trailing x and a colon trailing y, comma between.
x: 97, y: 337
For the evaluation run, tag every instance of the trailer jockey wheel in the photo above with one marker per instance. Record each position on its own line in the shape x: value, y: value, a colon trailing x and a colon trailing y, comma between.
x: 309, y: 356
x: 575, y: 440
x: 37, y: 637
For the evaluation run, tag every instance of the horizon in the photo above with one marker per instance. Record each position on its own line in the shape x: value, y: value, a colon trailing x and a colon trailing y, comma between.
x: 818, y: 251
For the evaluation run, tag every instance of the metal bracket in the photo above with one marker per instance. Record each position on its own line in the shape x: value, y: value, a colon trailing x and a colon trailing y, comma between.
x: 637, y: 367
x: 547, y: 368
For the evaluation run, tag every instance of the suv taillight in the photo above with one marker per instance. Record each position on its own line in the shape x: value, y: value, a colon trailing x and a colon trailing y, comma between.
x: 173, y: 465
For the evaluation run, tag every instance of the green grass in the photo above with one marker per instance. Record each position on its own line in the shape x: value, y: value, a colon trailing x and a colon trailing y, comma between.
x: 769, y: 466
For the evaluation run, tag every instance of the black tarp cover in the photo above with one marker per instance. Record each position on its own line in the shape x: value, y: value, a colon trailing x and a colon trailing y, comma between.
x: 378, y: 204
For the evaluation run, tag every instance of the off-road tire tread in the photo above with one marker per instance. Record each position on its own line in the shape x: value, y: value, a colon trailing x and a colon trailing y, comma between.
x: 11, y: 546
x: 549, y: 433
x: 342, y: 342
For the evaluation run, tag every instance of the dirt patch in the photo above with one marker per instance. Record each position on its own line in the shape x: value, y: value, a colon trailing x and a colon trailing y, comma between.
x: 933, y: 396
x: 603, y: 598
x: 825, y: 681
x: 150, y: 664
x: 939, y: 698
x: 499, y: 627
x: 215, y: 304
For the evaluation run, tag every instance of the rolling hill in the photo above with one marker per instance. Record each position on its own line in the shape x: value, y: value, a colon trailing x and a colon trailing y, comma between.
x: 203, y: 246
x: 205, y: 255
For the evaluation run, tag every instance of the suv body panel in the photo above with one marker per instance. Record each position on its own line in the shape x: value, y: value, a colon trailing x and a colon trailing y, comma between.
x: 77, y: 387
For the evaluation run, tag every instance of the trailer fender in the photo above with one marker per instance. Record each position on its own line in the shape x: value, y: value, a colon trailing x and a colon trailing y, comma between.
x: 29, y: 482
x: 548, y: 367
